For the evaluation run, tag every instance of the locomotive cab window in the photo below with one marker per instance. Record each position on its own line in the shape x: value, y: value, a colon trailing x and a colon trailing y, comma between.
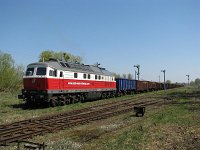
x: 53, y: 73
x: 41, y: 71
x: 99, y: 77
x: 95, y: 77
x: 61, y: 74
x: 88, y: 76
x: 75, y: 75
x: 84, y: 76
x: 29, y: 71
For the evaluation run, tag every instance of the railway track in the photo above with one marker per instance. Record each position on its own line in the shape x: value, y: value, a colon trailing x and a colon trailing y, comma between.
x: 28, y: 128
x: 68, y: 113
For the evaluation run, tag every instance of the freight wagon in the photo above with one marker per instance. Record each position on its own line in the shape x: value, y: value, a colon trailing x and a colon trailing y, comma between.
x: 125, y: 86
x: 142, y: 86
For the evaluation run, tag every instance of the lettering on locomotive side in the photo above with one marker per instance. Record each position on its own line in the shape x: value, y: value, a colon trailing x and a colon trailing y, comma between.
x: 78, y: 83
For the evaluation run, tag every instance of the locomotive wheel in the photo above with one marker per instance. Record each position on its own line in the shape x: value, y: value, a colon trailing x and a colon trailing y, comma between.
x: 62, y: 103
x: 111, y: 95
x: 107, y: 96
x: 52, y: 103
x: 82, y: 98
x: 72, y: 101
x: 67, y: 101
x: 58, y: 103
x: 61, y: 100
x: 103, y: 96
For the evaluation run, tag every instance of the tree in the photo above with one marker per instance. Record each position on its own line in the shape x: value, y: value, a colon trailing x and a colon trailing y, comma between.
x: 47, y: 54
x: 76, y: 59
x: 130, y: 76
x: 195, y: 83
x: 10, y: 74
x: 66, y: 57
x: 116, y: 75
x: 168, y: 82
x: 192, y: 83
x: 124, y: 76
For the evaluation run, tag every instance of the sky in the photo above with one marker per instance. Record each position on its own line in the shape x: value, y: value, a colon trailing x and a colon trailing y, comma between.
x: 156, y: 34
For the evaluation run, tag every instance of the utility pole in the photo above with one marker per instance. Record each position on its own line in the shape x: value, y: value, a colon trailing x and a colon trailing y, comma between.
x: 188, y: 79
x: 159, y: 82
x: 138, y: 72
x: 135, y: 74
x: 164, y: 78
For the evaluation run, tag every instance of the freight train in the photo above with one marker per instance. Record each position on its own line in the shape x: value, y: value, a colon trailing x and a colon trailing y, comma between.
x: 57, y: 82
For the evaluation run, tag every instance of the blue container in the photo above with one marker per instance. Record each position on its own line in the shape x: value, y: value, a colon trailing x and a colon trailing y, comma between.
x: 125, y: 84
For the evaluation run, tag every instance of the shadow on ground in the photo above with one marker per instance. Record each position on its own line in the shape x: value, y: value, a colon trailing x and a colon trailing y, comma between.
x: 24, y: 106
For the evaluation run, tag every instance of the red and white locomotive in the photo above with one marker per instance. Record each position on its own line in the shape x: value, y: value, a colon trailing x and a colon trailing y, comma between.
x: 57, y: 83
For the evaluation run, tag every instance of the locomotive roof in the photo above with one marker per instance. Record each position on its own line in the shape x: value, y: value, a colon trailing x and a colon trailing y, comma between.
x: 75, y: 67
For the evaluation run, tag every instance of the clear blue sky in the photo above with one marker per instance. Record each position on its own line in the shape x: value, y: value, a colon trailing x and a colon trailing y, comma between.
x: 157, y: 34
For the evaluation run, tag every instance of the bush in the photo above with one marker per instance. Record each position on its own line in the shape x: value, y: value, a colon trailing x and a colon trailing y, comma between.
x: 10, y: 74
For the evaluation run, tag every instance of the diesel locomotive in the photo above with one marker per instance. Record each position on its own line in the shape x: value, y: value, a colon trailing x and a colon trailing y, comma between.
x: 57, y: 82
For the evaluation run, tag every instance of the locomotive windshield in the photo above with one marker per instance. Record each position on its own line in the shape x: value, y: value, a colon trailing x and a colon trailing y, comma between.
x: 41, y: 71
x: 29, y: 71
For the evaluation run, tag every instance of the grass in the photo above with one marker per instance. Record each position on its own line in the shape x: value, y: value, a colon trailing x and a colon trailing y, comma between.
x: 173, y: 126
x: 176, y: 126
x: 174, y: 115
